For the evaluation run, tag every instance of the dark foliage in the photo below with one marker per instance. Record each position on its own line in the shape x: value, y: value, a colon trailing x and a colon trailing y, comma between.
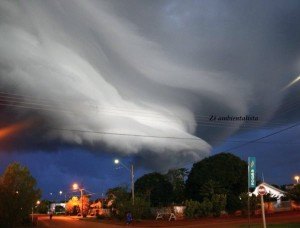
x: 156, y: 188
x: 18, y: 195
x: 223, y: 173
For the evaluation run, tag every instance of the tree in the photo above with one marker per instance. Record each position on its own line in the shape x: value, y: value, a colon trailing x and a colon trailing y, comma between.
x: 254, y: 202
x: 84, y: 205
x: 211, y: 188
x: 218, y: 202
x: 122, y: 203
x: 72, y: 206
x: 117, y: 192
x: 156, y: 188
x: 18, y: 195
x: 294, y: 193
x: 229, y: 171
x: 177, y: 178
x: 140, y: 209
x: 43, y: 207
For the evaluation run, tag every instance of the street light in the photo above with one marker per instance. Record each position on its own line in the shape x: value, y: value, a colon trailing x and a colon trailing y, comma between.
x: 37, y: 203
x: 297, y: 179
x: 76, y: 187
x: 117, y: 161
x: 60, y: 193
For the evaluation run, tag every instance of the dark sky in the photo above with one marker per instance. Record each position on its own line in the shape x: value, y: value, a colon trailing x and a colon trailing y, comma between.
x: 84, y: 82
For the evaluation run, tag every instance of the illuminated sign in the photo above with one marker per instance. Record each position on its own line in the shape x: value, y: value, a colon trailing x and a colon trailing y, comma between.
x: 251, y: 172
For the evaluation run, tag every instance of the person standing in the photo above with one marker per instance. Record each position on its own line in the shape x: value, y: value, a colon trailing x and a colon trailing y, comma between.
x: 128, y: 218
x: 50, y: 214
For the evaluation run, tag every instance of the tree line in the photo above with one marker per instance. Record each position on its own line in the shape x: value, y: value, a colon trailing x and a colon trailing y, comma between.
x: 214, y: 184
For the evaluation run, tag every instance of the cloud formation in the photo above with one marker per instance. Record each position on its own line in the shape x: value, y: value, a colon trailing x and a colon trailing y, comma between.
x: 103, y: 67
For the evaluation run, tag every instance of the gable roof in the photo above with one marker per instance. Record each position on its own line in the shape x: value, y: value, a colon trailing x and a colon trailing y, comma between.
x: 273, y: 191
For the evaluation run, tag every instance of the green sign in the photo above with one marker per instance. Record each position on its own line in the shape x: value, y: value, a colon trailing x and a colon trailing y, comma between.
x: 251, y: 172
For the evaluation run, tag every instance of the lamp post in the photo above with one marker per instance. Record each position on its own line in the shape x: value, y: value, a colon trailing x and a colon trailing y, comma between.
x: 117, y: 161
x: 37, y: 203
x: 297, y: 179
x: 60, y: 193
x: 76, y: 187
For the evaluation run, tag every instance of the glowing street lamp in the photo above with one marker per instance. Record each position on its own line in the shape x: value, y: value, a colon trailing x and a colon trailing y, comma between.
x: 60, y: 193
x: 117, y: 161
x: 76, y: 187
x: 297, y: 179
x: 37, y: 203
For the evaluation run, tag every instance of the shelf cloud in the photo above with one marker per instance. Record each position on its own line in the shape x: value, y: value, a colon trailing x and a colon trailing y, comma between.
x: 100, y: 74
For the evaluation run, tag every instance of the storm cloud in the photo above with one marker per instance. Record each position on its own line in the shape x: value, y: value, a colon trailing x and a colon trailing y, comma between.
x: 108, y: 73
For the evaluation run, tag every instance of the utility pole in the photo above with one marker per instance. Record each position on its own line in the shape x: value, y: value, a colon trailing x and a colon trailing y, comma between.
x: 263, y: 210
x: 117, y: 161
x: 76, y: 187
x: 132, y: 184
x: 81, y: 194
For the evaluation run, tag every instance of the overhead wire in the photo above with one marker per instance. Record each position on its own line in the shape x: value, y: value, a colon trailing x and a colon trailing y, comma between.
x: 202, y: 119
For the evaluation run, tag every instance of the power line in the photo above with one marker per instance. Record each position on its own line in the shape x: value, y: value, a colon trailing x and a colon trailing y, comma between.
x: 126, y: 134
x: 187, y: 138
x: 205, y: 122
x: 266, y: 136
x: 43, y: 106
x: 255, y: 140
x: 19, y: 99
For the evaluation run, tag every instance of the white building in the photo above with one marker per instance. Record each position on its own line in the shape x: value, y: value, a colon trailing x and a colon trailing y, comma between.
x: 53, y: 205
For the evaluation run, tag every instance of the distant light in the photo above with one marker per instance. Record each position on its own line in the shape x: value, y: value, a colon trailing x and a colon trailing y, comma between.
x: 38, y: 202
x: 17, y: 192
x: 117, y: 161
x: 60, y: 192
x: 75, y: 186
x: 292, y: 83
x: 51, y: 193
x: 297, y: 179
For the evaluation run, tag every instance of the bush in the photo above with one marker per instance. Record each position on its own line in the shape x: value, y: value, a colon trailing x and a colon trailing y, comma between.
x: 254, y: 202
x: 192, y: 209
x: 205, y: 208
x: 195, y: 209
x: 140, y: 209
x: 98, y: 216
x: 218, y: 204
x: 233, y: 203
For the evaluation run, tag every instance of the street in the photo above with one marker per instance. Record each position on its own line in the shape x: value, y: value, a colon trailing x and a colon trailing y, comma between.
x: 64, y: 221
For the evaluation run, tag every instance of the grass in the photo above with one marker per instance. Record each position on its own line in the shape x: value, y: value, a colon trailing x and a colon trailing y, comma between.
x: 282, y: 225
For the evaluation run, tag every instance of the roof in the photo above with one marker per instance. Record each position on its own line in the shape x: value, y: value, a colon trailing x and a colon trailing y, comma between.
x: 273, y: 191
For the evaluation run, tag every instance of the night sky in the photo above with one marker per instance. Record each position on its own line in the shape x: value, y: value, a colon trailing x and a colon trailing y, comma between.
x: 85, y: 82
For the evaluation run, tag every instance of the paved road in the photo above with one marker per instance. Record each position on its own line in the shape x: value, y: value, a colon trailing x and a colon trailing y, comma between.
x: 69, y: 222
x: 66, y: 222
